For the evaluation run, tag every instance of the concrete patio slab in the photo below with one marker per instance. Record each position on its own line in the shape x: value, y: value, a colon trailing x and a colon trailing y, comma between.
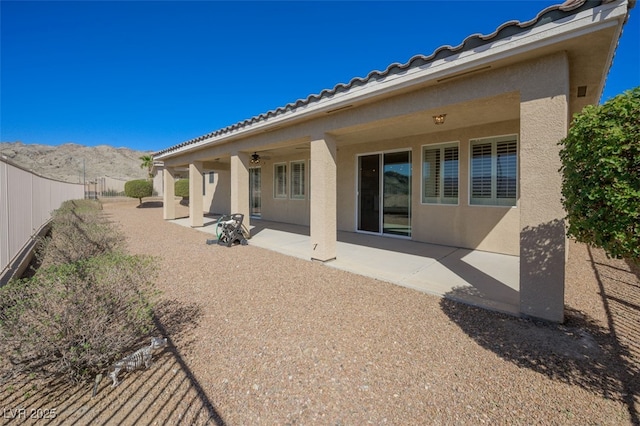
x: 484, y: 279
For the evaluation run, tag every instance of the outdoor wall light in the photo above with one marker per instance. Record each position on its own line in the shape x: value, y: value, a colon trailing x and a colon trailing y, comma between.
x: 439, y: 119
x: 255, y: 158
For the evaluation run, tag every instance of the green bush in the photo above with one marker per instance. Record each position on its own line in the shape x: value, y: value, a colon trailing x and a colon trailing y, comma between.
x: 139, y: 189
x: 79, y: 230
x: 182, y: 188
x: 601, y: 176
x: 76, y: 319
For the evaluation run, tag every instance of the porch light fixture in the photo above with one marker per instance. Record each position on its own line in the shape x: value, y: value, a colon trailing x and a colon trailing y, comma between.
x: 255, y: 158
x: 439, y: 119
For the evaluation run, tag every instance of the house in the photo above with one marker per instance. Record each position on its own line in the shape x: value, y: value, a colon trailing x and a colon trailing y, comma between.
x: 457, y: 148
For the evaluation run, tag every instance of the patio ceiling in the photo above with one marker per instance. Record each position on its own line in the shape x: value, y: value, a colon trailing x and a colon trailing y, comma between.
x: 472, y: 113
x: 477, y: 112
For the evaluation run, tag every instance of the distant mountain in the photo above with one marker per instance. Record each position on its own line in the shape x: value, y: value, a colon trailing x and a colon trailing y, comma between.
x: 73, y: 163
x: 396, y: 183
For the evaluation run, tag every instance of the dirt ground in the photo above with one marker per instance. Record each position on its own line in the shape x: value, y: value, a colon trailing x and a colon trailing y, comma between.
x: 257, y: 337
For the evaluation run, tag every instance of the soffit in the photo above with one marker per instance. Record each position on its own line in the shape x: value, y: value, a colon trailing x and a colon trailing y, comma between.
x: 477, y: 112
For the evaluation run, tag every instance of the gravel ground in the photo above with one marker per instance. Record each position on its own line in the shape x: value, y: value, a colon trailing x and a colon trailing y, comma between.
x: 261, y: 338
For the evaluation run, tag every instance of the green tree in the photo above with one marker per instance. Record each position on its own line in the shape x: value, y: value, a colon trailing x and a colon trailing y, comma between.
x: 147, y: 163
x: 138, y: 188
x: 601, y: 176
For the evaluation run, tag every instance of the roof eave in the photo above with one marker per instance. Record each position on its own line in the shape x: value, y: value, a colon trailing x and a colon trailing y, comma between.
x: 537, y: 37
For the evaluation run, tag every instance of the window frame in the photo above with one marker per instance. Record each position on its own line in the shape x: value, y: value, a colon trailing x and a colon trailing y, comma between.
x: 439, y: 200
x: 494, y: 200
x: 300, y: 186
x: 283, y: 194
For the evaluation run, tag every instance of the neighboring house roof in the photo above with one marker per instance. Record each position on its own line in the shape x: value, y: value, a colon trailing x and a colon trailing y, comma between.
x: 506, y: 30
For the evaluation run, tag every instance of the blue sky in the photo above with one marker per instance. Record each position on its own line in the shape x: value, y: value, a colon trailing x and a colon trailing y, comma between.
x: 148, y: 75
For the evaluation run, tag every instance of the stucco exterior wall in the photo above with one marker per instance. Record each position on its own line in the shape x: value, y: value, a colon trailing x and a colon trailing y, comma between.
x: 296, y: 211
x: 524, y: 81
x: 544, y: 121
x: 217, y: 195
x: 489, y: 228
x: 478, y: 98
x: 288, y: 210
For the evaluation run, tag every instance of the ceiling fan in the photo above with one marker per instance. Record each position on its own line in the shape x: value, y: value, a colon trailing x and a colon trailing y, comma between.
x: 255, y: 158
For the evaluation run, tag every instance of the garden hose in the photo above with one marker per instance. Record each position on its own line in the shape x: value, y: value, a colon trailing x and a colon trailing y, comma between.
x: 219, y: 226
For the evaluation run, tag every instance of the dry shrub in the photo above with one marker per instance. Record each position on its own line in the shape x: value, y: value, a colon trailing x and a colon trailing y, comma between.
x: 86, y: 306
x: 75, y: 319
x: 79, y: 230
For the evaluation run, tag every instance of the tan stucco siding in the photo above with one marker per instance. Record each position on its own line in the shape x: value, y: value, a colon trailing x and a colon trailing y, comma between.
x: 288, y: 210
x: 482, y: 105
x: 217, y: 194
x: 544, y: 120
x: 487, y: 228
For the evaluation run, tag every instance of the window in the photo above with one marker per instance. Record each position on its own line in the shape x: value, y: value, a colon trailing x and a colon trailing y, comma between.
x: 204, y: 186
x: 494, y: 171
x: 297, y: 180
x: 440, y: 174
x: 280, y: 180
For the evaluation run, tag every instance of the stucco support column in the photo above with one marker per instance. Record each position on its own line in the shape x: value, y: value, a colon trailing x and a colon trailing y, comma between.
x: 544, y: 122
x: 240, y: 187
x: 323, y: 215
x: 169, y: 194
x: 196, y: 213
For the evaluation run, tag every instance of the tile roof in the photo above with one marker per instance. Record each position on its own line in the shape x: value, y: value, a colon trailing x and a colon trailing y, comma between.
x: 508, y: 29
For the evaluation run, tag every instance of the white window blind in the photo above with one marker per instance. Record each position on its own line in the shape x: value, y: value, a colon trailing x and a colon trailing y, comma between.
x: 297, y: 179
x: 506, y: 165
x: 450, y: 173
x: 494, y: 171
x: 481, y: 171
x: 440, y: 174
x: 280, y: 180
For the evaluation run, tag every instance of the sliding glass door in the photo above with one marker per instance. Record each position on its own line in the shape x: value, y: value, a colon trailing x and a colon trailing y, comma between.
x: 396, y: 199
x: 255, y: 187
x: 369, y: 193
x: 384, y: 193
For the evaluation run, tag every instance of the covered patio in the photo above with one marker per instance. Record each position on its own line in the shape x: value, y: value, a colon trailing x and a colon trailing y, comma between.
x: 457, y: 149
x: 479, y: 278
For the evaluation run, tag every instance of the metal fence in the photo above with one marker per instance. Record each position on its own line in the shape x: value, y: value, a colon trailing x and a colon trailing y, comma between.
x: 26, y: 203
x: 106, y: 187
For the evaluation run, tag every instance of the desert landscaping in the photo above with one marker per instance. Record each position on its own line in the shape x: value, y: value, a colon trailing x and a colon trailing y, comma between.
x: 438, y: 224
x: 257, y: 337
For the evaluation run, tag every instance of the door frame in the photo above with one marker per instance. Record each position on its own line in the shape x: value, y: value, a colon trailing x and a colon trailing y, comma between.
x: 381, y: 198
x: 251, y: 193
